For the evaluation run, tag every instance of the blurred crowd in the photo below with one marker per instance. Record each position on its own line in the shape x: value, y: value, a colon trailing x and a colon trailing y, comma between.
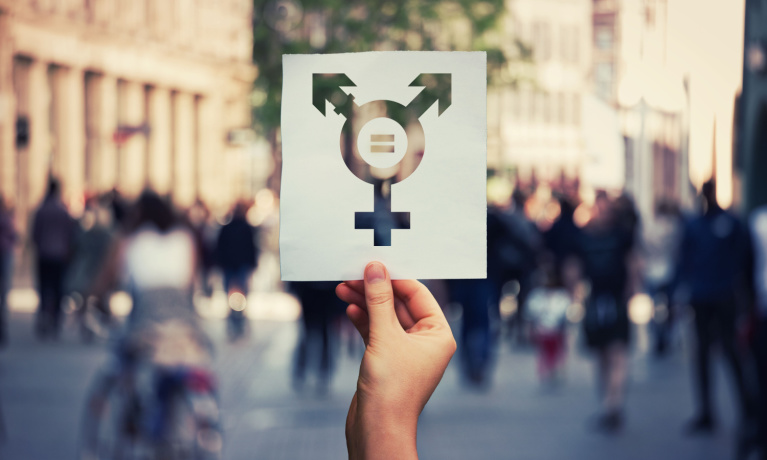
x: 79, y: 262
x: 554, y: 260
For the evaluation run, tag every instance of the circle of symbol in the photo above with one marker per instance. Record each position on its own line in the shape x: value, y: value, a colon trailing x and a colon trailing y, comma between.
x: 373, y: 171
x: 382, y: 142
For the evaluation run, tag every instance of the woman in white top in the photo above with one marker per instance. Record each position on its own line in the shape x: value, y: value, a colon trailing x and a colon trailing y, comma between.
x: 155, y: 262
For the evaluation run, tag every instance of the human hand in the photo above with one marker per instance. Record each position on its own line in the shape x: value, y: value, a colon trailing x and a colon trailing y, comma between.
x: 408, y: 347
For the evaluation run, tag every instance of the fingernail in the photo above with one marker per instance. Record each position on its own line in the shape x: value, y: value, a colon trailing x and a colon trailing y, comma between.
x: 375, y: 273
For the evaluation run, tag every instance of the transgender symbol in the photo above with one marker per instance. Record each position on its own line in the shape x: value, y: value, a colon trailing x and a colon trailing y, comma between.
x: 383, y: 153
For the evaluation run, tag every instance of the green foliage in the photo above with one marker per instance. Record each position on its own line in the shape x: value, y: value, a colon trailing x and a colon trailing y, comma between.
x: 336, y: 26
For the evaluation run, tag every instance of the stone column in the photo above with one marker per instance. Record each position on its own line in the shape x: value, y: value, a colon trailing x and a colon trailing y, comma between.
x: 184, y: 148
x: 230, y: 175
x: 103, y: 11
x: 69, y: 118
x: 239, y: 118
x: 39, y: 131
x: 7, y: 113
x: 104, y: 121
x: 92, y: 138
x: 159, y: 158
x: 210, y: 151
x: 131, y: 114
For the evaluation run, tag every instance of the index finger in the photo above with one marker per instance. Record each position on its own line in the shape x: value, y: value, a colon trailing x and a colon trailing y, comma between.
x: 357, y: 285
x: 418, y: 299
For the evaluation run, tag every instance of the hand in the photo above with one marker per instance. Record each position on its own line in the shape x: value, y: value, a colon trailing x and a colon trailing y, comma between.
x: 408, y: 347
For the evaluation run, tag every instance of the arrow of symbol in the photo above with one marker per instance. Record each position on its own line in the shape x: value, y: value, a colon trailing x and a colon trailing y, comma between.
x: 327, y: 87
x: 437, y: 87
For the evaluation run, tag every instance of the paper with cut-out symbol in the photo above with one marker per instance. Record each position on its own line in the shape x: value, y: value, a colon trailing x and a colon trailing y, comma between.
x: 383, y: 158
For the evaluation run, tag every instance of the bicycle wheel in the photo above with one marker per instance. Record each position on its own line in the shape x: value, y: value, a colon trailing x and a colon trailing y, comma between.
x: 111, y: 424
x: 209, y: 439
x: 193, y: 431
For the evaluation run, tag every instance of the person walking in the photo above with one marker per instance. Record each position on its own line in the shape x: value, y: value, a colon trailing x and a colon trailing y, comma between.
x: 661, y: 251
x: 758, y: 230
x: 606, y: 246
x: 53, y: 233
x: 479, y: 300
x: 237, y: 255
x: 517, y: 250
x: 319, y: 310
x: 547, y: 309
x: 198, y: 218
x: 562, y: 238
x: 8, y: 238
x: 713, y: 256
x: 90, y: 253
x: 154, y: 260
x: 236, y: 250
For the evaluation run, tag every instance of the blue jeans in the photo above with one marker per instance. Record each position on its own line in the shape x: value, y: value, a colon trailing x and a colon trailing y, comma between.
x: 237, y: 278
x: 6, y: 277
x: 476, y: 296
x: 760, y: 352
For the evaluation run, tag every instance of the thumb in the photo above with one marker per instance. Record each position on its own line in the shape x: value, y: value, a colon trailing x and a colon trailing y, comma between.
x: 379, y: 298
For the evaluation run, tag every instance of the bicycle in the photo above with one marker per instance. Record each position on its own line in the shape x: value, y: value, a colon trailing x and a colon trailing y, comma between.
x: 152, y: 405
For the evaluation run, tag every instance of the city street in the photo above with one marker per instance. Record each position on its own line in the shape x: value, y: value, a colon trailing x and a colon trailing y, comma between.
x: 567, y: 162
x: 43, y: 384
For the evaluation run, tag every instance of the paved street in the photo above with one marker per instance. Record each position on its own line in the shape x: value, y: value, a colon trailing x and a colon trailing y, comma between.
x: 43, y: 384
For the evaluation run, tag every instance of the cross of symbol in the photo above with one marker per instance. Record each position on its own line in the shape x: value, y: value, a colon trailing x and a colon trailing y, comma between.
x: 382, y: 220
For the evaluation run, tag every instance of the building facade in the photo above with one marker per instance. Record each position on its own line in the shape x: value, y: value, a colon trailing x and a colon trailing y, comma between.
x: 632, y: 75
x: 752, y: 116
x: 535, y: 125
x: 123, y: 94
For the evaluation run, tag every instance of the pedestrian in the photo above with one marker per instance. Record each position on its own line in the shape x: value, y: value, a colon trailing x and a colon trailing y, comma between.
x: 237, y: 255
x: 479, y: 299
x: 198, y: 219
x: 90, y: 252
x: 163, y: 348
x: 713, y: 257
x: 517, y: 250
x: 53, y: 233
x: 476, y: 297
x: 547, y: 307
x: 758, y: 227
x: 606, y: 247
x: 155, y: 261
x: 8, y: 239
x: 319, y: 310
x: 660, y: 249
x: 236, y: 250
x: 562, y: 238
x: 119, y: 207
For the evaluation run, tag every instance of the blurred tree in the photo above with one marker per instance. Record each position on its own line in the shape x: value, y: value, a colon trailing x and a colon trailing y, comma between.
x: 335, y: 26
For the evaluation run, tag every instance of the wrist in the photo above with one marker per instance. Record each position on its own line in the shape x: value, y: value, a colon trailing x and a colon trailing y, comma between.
x: 382, y: 433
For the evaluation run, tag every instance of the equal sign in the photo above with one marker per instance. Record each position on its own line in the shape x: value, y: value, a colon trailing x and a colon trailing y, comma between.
x: 385, y: 143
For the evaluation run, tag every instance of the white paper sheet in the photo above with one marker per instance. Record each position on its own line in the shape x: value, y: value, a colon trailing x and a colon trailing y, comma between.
x: 445, y: 195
